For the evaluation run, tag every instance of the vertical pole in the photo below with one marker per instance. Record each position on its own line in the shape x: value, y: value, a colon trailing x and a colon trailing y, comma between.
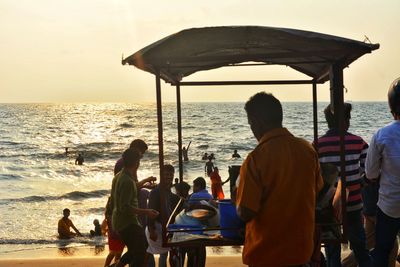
x: 315, y: 115
x: 179, y: 120
x: 163, y: 214
x: 337, y: 102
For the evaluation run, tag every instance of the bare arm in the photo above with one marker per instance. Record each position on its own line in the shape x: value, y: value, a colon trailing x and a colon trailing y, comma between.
x: 147, y: 212
x: 142, y: 183
x: 76, y: 230
x: 227, y: 180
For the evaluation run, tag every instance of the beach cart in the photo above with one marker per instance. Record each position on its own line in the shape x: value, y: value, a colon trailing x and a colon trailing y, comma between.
x: 319, y: 56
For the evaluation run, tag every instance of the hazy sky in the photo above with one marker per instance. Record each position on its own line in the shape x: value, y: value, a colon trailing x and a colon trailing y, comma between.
x: 70, y: 50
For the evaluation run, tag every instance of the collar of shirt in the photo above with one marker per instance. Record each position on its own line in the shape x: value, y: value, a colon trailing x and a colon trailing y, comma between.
x: 277, y: 132
x: 334, y: 131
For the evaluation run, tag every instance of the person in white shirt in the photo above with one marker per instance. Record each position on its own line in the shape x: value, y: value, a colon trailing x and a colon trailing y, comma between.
x: 383, y: 159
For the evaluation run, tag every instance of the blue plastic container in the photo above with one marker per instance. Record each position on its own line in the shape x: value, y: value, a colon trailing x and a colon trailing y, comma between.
x: 230, y: 219
x: 199, y: 230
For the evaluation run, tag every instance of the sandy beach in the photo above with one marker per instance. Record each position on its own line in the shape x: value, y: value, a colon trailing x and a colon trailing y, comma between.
x: 91, y: 256
x: 88, y: 256
x: 212, y: 261
x: 232, y: 261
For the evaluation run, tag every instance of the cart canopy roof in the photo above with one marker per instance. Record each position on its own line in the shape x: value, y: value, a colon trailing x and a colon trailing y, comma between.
x: 186, y: 52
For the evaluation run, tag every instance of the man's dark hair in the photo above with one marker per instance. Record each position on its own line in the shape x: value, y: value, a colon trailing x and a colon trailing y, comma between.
x: 139, y: 144
x: 265, y: 107
x: 182, y: 186
x: 394, y: 97
x: 200, y: 183
x: 66, y: 210
x: 169, y: 168
x: 330, y: 116
x: 131, y: 157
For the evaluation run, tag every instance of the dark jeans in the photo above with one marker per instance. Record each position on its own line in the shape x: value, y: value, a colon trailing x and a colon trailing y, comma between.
x: 385, y: 235
x: 135, y: 240
x: 356, y: 235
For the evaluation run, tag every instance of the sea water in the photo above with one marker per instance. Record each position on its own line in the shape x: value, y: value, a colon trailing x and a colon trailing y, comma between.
x: 38, y: 180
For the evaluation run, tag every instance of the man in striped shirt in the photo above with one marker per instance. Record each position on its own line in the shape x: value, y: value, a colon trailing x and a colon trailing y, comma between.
x: 355, y: 153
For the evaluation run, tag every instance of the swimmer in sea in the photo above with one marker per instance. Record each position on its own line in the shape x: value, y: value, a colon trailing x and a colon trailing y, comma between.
x: 235, y: 154
x: 185, y: 152
x: 79, y: 160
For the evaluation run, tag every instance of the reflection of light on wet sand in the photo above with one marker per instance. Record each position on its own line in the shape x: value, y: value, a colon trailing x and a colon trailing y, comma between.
x: 99, y: 249
x: 67, y: 251
x: 227, y: 250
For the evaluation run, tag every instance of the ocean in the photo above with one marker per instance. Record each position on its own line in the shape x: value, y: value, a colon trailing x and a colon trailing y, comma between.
x: 38, y: 180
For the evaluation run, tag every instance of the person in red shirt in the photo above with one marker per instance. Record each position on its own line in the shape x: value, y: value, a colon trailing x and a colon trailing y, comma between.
x: 216, y: 185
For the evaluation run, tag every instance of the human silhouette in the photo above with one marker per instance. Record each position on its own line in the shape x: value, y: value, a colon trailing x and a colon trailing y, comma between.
x: 235, y: 154
x: 185, y: 152
x: 79, y: 160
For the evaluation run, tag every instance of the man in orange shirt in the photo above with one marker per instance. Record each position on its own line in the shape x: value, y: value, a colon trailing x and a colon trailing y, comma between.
x: 276, y: 197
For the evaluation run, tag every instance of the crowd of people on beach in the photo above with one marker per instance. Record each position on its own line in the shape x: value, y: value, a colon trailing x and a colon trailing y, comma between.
x: 280, y: 184
x: 280, y: 181
x: 136, y: 216
x: 132, y: 213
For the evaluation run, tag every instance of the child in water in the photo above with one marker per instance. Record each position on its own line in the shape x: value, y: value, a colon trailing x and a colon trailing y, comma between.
x: 97, y: 229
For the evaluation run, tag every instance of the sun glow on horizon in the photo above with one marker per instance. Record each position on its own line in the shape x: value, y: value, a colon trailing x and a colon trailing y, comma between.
x: 63, y: 51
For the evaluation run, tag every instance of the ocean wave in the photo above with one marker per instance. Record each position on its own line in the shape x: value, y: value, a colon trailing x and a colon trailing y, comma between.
x: 55, y: 240
x: 10, y: 177
x: 95, y: 145
x: 4, y: 241
x: 10, y: 143
x: 78, y: 195
x: 75, y: 195
x: 125, y: 125
x: 96, y: 210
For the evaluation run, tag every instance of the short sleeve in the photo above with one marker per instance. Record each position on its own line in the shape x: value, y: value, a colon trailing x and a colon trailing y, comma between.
x: 374, y: 159
x: 250, y: 188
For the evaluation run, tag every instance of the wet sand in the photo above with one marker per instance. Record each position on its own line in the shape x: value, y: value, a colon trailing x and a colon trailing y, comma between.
x: 212, y: 261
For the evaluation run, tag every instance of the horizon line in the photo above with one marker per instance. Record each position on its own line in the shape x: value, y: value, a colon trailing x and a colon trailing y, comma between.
x: 172, y: 102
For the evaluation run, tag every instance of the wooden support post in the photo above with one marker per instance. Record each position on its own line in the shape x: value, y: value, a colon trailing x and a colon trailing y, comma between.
x: 163, y: 214
x: 179, y: 120
x: 315, y: 114
x: 337, y: 103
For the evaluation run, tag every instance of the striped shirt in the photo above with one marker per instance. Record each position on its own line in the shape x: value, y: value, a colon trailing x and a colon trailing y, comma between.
x: 355, y: 154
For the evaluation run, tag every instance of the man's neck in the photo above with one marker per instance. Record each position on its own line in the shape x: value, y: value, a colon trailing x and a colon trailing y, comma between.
x: 267, y: 130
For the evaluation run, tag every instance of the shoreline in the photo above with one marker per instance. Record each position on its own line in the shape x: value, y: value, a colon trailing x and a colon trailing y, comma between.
x: 21, y: 252
x: 212, y: 261
x: 90, y: 256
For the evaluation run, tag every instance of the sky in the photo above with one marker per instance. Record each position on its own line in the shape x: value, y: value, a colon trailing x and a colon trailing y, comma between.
x: 70, y: 50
